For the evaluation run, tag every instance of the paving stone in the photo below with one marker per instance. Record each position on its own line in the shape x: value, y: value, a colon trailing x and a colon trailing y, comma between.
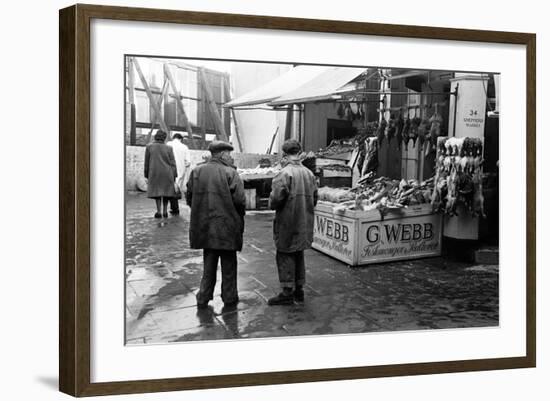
x: 138, y: 328
x: 163, y: 276
x: 183, y: 318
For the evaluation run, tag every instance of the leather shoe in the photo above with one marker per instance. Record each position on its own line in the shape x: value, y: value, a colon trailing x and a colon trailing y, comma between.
x: 299, y: 294
x: 203, y: 305
x: 281, y: 299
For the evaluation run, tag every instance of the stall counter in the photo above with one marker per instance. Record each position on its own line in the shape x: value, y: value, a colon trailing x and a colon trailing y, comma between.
x: 366, y: 237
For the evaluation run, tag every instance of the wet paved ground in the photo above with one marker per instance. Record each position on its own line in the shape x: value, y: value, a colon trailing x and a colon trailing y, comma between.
x: 163, y: 275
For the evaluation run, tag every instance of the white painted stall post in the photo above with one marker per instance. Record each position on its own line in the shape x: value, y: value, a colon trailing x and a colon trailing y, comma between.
x: 470, y: 105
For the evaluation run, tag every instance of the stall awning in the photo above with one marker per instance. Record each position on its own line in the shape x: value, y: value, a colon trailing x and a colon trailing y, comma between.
x: 285, y: 83
x: 322, y: 87
x: 300, y: 85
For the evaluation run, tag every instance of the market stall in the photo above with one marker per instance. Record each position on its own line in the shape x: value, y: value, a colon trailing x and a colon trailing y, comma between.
x: 398, y: 157
x: 257, y: 184
x: 378, y: 220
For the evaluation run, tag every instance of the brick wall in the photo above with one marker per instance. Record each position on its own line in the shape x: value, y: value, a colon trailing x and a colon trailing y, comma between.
x: 135, y: 156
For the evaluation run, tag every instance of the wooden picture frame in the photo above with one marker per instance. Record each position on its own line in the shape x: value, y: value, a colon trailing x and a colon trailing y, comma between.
x: 75, y: 207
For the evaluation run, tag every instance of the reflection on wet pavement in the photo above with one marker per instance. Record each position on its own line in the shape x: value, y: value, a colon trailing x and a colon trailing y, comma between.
x: 163, y: 275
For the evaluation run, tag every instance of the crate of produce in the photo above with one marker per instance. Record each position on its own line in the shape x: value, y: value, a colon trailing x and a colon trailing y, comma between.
x: 378, y: 220
x: 359, y: 237
x: 324, y: 161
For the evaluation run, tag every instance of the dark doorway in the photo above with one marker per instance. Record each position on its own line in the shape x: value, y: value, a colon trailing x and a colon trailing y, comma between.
x: 339, y: 129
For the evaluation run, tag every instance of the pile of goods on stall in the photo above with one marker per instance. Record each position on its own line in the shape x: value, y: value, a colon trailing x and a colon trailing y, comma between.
x: 383, y: 194
x: 336, y: 147
x: 259, y: 170
x: 458, y: 179
x: 335, y: 195
x: 337, y: 167
x: 263, y: 168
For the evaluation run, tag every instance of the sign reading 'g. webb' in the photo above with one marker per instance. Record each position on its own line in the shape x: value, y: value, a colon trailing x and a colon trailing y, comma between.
x: 404, y: 238
x: 407, y: 237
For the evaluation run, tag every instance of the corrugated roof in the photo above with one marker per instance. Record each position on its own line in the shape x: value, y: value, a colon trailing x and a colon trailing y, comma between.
x: 279, y: 86
x: 321, y: 87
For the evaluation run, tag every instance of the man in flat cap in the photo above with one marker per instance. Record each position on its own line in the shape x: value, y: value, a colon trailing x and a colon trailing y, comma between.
x: 293, y: 197
x: 215, y: 193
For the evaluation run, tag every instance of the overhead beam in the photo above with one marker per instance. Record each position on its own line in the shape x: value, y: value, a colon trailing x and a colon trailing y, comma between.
x: 132, y: 100
x: 159, y: 103
x: 233, y: 115
x: 186, y: 123
x: 156, y: 107
x: 213, y: 110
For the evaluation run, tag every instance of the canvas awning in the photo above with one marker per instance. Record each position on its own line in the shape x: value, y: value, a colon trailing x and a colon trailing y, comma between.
x: 289, y: 81
x: 323, y: 87
x: 300, y: 85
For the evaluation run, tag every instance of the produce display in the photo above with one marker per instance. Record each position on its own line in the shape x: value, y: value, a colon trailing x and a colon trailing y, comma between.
x: 381, y: 193
x: 458, y: 179
x: 337, y: 167
x: 259, y: 170
x: 335, y: 195
x: 337, y: 147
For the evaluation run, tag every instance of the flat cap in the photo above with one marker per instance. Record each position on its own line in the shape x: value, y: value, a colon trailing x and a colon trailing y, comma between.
x: 292, y: 147
x: 218, y: 146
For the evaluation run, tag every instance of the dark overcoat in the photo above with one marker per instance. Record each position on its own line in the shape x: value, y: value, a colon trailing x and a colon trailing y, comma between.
x: 293, y: 197
x: 215, y: 193
x: 160, y: 170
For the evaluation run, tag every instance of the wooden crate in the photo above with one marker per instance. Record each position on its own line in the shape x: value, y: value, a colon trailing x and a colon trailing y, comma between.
x: 335, y: 182
x: 262, y: 203
x: 325, y: 161
x: 362, y: 238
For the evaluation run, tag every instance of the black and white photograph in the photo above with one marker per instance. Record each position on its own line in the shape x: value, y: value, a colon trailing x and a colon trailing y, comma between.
x: 274, y: 200
x: 243, y: 200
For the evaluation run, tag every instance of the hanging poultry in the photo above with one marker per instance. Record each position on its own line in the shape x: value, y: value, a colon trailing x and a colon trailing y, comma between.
x: 370, y: 163
x: 450, y: 206
x: 381, y: 130
x: 406, y: 132
x: 413, y: 131
x: 435, y: 128
x: 389, y: 132
x: 478, y: 209
x: 458, y: 174
x: 423, y: 128
x: 399, y: 125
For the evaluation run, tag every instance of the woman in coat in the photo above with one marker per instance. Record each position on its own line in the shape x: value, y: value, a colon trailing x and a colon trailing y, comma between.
x: 161, y: 172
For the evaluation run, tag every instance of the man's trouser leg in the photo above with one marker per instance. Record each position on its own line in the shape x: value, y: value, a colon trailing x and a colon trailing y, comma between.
x: 300, y: 266
x: 229, y: 276
x: 286, y: 266
x: 208, y: 281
